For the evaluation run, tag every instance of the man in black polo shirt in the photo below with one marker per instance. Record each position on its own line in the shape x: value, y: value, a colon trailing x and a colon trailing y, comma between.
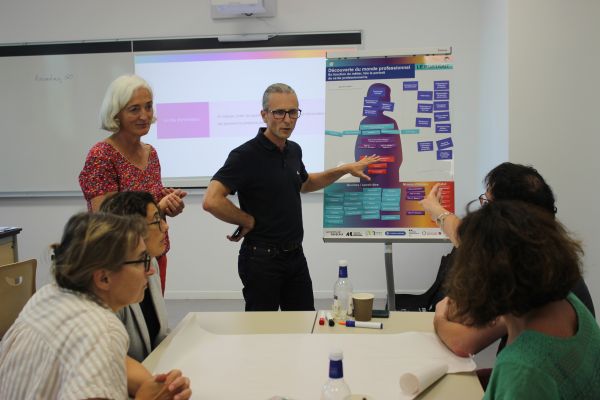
x: 268, y: 175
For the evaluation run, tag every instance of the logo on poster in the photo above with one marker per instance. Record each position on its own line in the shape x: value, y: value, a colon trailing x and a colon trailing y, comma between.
x: 354, y: 234
x: 395, y: 233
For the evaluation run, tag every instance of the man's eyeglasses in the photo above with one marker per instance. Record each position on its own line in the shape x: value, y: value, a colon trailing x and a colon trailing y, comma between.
x: 161, y: 223
x: 280, y: 114
x: 483, y: 200
x: 146, y: 261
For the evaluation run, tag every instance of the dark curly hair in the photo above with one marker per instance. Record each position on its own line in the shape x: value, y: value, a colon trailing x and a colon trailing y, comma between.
x: 510, y: 181
x: 128, y: 203
x: 513, y: 257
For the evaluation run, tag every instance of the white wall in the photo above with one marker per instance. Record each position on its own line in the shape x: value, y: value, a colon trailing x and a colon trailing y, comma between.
x: 493, y: 99
x: 202, y: 263
x: 553, y: 106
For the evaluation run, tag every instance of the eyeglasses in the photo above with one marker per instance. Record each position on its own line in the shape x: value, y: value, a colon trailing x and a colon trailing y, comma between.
x: 161, y: 223
x: 146, y: 261
x: 280, y: 114
x: 483, y: 200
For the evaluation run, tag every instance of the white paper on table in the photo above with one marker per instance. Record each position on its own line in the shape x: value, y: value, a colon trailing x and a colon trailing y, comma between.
x: 296, y: 366
x: 420, y: 378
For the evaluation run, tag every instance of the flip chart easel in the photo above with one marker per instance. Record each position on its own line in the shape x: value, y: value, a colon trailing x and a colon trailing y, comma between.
x: 396, y: 105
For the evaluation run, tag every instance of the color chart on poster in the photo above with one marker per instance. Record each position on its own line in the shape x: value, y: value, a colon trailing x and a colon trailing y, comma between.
x: 399, y: 108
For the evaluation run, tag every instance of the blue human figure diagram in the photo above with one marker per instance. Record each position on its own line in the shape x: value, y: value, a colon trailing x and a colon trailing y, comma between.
x: 379, y: 135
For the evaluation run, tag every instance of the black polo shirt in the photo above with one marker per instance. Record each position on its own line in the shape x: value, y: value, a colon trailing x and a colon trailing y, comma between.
x: 268, y: 183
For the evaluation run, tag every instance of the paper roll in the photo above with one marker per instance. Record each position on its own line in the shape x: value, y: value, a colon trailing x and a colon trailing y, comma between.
x: 412, y: 383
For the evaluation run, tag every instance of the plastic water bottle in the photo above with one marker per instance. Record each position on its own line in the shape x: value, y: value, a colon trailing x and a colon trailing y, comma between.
x: 335, y: 388
x: 342, y: 294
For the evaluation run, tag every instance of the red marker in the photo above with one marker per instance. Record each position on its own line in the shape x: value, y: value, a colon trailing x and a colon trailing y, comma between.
x: 322, y: 318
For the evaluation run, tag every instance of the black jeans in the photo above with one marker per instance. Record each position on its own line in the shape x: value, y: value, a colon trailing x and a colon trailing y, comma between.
x: 275, y: 278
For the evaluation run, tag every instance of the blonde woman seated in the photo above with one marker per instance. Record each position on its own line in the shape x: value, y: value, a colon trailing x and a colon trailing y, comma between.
x: 67, y: 342
x: 517, y: 264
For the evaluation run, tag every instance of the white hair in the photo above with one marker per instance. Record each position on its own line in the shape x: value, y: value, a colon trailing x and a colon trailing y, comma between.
x: 118, y: 94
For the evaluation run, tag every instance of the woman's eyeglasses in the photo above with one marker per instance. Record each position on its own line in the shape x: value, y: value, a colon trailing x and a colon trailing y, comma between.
x: 146, y: 261
x: 483, y: 200
x: 161, y: 223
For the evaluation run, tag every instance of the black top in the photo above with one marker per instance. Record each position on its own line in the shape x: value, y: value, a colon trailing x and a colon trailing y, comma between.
x: 149, y: 312
x: 268, y: 183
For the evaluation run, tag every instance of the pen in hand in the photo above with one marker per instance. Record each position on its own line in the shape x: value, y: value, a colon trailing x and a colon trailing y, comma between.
x: 236, y: 235
x: 237, y: 232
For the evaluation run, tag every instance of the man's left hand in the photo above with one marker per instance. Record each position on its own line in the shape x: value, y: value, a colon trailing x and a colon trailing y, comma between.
x: 357, y: 168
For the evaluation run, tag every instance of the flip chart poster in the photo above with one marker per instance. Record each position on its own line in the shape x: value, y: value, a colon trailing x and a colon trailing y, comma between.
x: 399, y: 108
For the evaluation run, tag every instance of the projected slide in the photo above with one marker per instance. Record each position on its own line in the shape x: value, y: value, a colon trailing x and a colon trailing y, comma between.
x: 209, y: 103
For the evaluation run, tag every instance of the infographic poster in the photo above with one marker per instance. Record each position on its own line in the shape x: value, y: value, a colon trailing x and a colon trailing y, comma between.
x: 399, y: 108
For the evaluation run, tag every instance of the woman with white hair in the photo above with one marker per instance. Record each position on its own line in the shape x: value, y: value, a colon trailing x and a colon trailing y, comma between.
x: 122, y: 162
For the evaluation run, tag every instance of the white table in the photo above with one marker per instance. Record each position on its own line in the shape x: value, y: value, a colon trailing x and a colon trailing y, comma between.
x: 452, y: 386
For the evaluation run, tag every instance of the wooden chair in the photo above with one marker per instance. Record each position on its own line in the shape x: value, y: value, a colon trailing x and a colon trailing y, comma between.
x: 17, y: 285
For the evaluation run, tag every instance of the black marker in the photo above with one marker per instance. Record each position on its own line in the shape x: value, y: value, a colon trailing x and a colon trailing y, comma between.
x: 330, y: 320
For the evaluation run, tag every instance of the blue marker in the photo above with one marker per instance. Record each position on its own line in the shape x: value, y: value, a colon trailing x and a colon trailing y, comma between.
x: 361, y: 324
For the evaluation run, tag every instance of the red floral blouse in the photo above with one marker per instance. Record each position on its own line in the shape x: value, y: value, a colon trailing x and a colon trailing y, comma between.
x: 107, y: 170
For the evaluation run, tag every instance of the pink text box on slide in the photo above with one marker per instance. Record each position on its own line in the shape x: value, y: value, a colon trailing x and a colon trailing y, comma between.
x: 182, y: 120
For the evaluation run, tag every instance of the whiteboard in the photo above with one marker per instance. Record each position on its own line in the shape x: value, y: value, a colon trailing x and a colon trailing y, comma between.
x: 49, y: 117
x: 50, y: 96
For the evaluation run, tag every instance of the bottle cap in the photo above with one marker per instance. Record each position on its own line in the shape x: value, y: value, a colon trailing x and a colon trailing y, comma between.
x: 336, y: 367
x: 336, y: 355
x: 343, y: 263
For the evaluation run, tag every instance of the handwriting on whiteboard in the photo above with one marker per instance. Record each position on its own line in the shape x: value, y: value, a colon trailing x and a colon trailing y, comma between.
x: 56, y: 78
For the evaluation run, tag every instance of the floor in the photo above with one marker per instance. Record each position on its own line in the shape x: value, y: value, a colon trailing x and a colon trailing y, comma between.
x: 177, y: 309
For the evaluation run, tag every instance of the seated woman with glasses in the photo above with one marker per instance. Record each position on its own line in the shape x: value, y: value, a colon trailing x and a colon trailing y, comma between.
x: 145, y: 322
x: 507, y: 181
x: 67, y: 342
x: 517, y: 264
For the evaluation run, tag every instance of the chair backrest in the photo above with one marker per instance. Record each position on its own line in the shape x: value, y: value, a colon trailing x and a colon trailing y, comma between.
x: 17, y: 285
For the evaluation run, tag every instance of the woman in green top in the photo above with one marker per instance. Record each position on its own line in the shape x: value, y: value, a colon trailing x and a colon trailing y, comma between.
x: 517, y: 263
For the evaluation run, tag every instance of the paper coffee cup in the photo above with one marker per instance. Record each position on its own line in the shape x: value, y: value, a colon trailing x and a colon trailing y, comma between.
x: 363, y: 306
